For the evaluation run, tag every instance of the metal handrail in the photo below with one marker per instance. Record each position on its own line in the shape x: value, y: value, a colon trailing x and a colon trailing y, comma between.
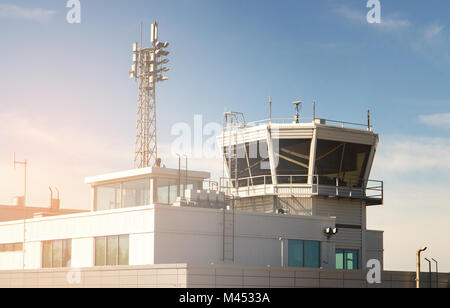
x: 342, y: 124
x: 372, y: 189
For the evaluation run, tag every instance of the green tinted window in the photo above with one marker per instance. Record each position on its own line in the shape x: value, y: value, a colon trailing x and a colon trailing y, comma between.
x: 295, y: 253
x: 312, y: 254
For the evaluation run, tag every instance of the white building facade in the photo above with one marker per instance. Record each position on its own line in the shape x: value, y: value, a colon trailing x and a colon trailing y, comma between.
x: 299, y: 200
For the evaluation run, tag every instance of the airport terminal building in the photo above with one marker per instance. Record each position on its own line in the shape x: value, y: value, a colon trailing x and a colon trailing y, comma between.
x: 289, y: 211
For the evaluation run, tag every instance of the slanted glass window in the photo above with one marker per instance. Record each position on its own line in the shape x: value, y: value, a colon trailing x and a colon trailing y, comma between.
x: 347, y: 259
x: 56, y: 253
x: 136, y: 193
x: 303, y: 254
x: 108, y: 197
x: 343, y: 161
x: 292, y: 160
x: 253, y: 166
x: 112, y: 250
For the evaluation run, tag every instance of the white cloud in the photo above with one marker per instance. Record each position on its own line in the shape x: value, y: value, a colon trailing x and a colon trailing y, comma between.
x: 404, y: 154
x: 439, y: 120
x: 433, y: 31
x: 34, y: 14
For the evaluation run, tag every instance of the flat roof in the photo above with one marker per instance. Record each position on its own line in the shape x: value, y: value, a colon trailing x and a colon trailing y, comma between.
x: 143, y: 172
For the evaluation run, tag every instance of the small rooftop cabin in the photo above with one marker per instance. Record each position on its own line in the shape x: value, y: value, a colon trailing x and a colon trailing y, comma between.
x: 145, y: 186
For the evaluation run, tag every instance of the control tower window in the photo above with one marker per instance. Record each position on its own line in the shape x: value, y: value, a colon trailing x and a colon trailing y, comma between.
x: 343, y: 161
x: 253, y: 167
x: 292, y: 160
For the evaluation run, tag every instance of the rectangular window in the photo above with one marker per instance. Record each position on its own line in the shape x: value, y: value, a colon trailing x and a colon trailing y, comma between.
x: 56, y: 253
x: 312, y: 254
x: 347, y: 259
x: 295, y: 253
x: 11, y: 247
x: 163, y: 191
x: 47, y: 254
x: 112, y: 250
x: 100, y: 251
x: 108, y: 197
x: 303, y: 254
x: 136, y: 193
x: 124, y: 249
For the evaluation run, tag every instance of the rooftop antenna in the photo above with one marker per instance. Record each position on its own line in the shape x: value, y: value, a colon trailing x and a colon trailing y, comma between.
x: 270, y: 109
x: 24, y: 163
x: 368, y: 119
x: 297, y: 115
x: 314, y: 110
x: 147, y: 69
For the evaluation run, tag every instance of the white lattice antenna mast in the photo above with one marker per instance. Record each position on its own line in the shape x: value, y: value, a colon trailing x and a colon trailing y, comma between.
x: 147, y: 70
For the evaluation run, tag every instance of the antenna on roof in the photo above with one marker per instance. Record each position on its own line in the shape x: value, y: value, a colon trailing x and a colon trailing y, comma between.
x: 297, y: 115
x: 270, y: 109
x: 314, y: 111
x: 368, y: 119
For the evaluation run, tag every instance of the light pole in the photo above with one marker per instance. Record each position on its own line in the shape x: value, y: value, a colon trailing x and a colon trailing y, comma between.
x: 418, y: 266
x: 429, y: 270
x: 437, y: 273
x: 179, y: 175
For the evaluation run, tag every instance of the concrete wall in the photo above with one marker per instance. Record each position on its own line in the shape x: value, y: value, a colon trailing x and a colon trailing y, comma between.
x: 206, y: 276
x: 166, y: 234
x: 195, y: 235
x: 374, y: 245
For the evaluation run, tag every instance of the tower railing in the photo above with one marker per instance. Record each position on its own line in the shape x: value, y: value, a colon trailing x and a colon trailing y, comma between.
x: 336, y: 123
x: 304, y: 185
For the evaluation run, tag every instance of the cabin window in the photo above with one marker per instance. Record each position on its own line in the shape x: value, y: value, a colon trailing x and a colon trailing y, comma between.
x: 341, y: 163
x: 292, y: 160
x: 253, y: 165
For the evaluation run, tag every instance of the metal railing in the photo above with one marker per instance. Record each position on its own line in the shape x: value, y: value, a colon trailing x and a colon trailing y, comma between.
x: 337, y: 123
x: 303, y: 184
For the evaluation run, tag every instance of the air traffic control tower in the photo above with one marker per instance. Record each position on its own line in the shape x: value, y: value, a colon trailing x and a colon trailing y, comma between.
x: 312, y: 167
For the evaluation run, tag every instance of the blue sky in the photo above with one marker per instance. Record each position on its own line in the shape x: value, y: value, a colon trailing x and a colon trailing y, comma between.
x: 67, y: 103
